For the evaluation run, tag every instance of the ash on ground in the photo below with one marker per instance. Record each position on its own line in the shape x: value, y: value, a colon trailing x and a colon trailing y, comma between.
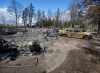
x: 23, y: 41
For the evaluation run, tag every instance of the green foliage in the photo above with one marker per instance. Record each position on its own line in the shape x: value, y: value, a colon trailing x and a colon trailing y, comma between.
x: 48, y: 23
x: 57, y: 22
x: 44, y: 23
x: 84, y: 27
x: 67, y: 24
x: 58, y: 14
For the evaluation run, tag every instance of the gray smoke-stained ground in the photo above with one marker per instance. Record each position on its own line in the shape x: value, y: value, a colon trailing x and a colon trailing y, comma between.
x: 64, y: 55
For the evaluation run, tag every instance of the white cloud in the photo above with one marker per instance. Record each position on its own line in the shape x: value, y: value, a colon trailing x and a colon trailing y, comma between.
x: 5, y: 13
x: 65, y: 16
x: 9, y: 16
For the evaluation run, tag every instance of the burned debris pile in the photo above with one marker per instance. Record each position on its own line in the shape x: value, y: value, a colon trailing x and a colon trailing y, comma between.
x: 34, y: 42
x: 51, y: 33
x: 8, y: 31
x: 35, y: 48
x: 10, y: 50
x: 7, y: 50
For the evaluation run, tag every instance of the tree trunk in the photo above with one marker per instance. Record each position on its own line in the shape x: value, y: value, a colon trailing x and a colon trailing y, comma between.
x: 16, y: 18
x: 99, y: 25
x: 16, y: 22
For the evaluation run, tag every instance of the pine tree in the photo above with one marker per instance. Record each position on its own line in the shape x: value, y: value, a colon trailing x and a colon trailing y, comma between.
x: 57, y: 18
x: 43, y: 18
x: 38, y: 18
x: 31, y: 14
x: 49, y: 13
x: 25, y: 16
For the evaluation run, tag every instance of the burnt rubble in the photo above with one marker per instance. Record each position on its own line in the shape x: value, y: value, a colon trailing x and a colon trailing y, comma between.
x: 35, y: 48
x: 8, y: 31
x: 33, y: 42
x: 7, y: 50
x: 51, y: 33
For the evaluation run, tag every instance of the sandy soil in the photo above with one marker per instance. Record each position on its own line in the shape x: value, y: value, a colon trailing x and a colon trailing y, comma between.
x: 60, y: 49
x: 69, y: 55
x: 86, y: 59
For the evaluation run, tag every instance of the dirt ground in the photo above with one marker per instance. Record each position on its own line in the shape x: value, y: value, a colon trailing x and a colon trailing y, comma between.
x: 86, y: 59
x: 68, y: 55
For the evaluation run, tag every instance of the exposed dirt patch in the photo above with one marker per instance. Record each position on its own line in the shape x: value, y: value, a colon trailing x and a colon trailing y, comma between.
x: 60, y: 48
x: 81, y: 60
x: 39, y: 68
x: 78, y: 61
